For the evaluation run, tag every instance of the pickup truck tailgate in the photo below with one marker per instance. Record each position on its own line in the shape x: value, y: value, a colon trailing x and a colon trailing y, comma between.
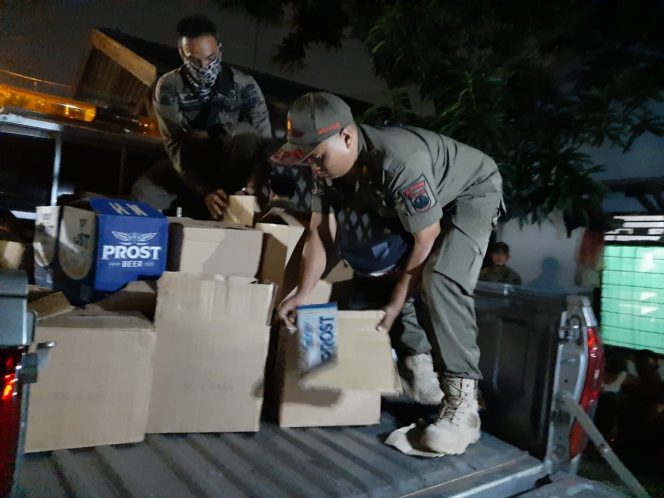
x: 278, y: 462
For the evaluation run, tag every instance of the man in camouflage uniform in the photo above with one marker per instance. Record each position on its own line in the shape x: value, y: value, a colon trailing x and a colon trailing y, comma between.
x: 215, y: 124
x: 498, y: 271
x: 446, y: 194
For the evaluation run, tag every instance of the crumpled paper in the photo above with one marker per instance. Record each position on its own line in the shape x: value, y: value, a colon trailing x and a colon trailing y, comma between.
x: 408, y: 440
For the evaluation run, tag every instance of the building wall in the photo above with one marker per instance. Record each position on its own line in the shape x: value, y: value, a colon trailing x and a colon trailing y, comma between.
x: 644, y: 160
x: 542, y: 254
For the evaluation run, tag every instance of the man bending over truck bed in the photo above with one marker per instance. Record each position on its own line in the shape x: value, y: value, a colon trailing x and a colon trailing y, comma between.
x: 446, y: 194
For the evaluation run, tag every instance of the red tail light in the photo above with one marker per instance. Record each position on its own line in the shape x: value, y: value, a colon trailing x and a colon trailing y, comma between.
x: 10, y: 415
x: 9, y: 389
x: 591, y: 390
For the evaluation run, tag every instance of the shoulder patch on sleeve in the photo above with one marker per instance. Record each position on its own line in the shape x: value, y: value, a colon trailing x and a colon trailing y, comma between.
x: 418, y: 196
x: 165, y: 94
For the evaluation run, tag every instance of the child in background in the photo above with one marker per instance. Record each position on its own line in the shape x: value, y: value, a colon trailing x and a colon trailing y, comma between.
x: 498, y: 271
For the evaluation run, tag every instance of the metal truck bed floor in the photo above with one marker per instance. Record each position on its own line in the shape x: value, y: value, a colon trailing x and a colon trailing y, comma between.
x: 277, y: 462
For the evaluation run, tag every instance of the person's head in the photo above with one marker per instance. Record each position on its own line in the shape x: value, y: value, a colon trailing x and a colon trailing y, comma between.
x: 199, y: 47
x: 500, y: 254
x: 321, y: 132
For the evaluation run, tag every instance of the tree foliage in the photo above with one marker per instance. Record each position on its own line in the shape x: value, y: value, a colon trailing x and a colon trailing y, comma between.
x: 530, y: 83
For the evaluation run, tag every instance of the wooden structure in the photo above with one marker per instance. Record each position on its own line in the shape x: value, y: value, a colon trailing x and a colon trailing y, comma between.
x: 116, y: 77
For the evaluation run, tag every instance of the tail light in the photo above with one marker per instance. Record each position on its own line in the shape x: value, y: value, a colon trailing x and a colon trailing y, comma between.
x: 10, y: 415
x: 591, y: 389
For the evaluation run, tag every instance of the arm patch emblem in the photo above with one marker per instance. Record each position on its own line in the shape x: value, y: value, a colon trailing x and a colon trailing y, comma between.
x: 419, y: 196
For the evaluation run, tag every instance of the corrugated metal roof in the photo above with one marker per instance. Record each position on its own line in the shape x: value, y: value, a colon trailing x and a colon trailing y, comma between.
x: 276, y: 462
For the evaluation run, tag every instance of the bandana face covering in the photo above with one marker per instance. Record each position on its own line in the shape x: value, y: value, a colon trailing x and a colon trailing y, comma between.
x: 203, y: 78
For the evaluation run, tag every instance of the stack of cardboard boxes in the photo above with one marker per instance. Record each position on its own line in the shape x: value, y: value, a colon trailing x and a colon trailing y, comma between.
x: 200, y: 366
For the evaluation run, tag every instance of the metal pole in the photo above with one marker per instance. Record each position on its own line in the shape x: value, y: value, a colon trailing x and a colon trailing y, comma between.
x: 603, y: 447
x: 57, y: 157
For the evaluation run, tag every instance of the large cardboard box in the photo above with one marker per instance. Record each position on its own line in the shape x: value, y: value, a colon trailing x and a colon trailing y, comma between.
x: 211, y: 352
x: 241, y: 209
x: 104, y: 243
x: 15, y: 253
x: 139, y: 296
x: 95, y: 386
x: 213, y: 248
x: 47, y: 229
x: 282, y: 251
x: 12, y: 254
x: 344, y: 393
x: 335, y: 286
x: 50, y: 306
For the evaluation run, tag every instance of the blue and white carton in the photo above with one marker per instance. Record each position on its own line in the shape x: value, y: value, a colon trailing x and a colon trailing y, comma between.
x: 103, y: 244
x: 317, y: 335
x: 47, y: 225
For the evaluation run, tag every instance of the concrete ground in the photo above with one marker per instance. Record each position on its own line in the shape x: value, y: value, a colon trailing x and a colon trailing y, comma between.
x: 593, y: 467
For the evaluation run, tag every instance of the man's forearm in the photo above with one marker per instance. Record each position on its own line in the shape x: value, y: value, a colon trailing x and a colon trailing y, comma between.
x: 320, y: 240
x: 314, y: 261
x: 412, y: 273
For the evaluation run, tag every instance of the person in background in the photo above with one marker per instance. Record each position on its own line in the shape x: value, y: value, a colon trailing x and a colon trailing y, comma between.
x: 498, y: 271
x: 215, y: 125
x: 611, y: 400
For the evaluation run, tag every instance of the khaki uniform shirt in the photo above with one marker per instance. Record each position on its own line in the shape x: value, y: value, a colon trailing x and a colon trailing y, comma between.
x: 179, y: 110
x: 408, y: 173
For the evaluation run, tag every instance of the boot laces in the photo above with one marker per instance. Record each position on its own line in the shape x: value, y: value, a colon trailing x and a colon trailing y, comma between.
x: 454, y: 399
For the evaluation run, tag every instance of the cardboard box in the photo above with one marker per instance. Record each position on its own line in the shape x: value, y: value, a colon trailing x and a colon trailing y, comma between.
x: 139, y: 296
x: 210, y: 359
x: 37, y: 292
x: 241, y: 209
x: 213, y: 248
x: 282, y: 251
x: 104, y: 243
x: 364, y: 357
x: 335, y: 286
x: 95, y: 387
x: 47, y: 229
x: 330, y: 396
x: 55, y: 304
x: 12, y: 254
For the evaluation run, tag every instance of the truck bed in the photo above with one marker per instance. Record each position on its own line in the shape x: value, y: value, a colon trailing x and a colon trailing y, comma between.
x: 518, y: 336
x: 278, y: 462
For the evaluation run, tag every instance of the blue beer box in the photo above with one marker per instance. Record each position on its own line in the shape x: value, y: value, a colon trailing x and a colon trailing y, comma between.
x: 317, y: 335
x: 103, y: 244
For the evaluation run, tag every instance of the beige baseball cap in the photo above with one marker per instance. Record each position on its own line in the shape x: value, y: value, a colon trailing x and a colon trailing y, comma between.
x: 312, y: 118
